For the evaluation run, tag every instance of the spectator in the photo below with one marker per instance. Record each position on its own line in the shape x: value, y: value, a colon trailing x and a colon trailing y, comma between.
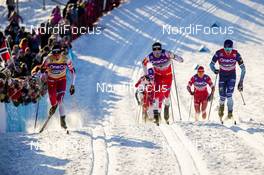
x: 55, y: 16
x: 28, y: 59
x: 23, y: 44
x: 10, y: 6
x: 14, y: 18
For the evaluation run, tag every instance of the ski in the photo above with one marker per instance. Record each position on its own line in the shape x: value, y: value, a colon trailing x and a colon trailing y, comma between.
x: 45, y: 124
x: 234, y: 121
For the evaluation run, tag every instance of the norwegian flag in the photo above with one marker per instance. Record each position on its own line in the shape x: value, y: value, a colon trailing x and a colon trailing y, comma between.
x: 4, y: 52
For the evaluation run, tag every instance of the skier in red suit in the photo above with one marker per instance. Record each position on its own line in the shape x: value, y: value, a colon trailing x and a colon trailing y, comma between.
x: 200, y: 93
x: 55, y: 66
x: 161, y: 60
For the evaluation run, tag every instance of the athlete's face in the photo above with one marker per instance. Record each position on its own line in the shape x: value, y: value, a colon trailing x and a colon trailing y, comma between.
x: 228, y: 50
x: 157, y: 52
x: 57, y: 56
x: 200, y: 73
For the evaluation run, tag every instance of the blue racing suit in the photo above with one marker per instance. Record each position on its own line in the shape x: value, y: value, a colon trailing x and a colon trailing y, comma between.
x: 227, y: 74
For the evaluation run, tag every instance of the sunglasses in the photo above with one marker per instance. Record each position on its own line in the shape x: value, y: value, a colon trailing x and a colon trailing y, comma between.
x: 156, y: 48
x: 56, y: 52
x: 228, y: 49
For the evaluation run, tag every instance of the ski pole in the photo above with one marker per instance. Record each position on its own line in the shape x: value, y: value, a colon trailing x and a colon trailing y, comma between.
x: 139, y: 114
x: 190, y: 110
x: 171, y: 110
x: 176, y: 91
x: 242, y: 97
x: 212, y: 99
x: 36, y: 117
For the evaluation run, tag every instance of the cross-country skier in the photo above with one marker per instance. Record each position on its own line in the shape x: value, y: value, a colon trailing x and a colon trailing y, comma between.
x: 200, y: 93
x: 227, y: 58
x: 145, y: 93
x: 161, y: 60
x: 55, y: 65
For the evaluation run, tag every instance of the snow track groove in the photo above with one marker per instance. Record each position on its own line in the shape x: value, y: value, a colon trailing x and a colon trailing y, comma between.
x: 100, y: 153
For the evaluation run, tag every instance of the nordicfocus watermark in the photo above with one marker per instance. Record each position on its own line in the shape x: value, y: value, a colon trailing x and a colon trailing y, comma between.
x: 56, y: 146
x: 66, y: 29
x: 128, y: 87
x: 197, y: 30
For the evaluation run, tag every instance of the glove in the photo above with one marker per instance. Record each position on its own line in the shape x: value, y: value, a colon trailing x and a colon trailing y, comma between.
x: 72, y: 90
x: 216, y: 71
x: 240, y: 86
x: 190, y: 91
x: 210, y: 97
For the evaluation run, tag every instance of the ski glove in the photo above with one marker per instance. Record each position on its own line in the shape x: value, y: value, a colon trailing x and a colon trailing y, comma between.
x: 72, y: 90
x: 216, y: 71
x: 210, y: 97
x: 240, y: 86
x: 190, y: 91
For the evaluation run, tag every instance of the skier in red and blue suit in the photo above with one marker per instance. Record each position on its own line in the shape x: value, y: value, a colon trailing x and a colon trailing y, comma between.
x: 227, y: 58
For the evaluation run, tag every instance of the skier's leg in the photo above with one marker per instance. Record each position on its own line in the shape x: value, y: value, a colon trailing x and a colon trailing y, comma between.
x: 52, y: 86
x: 204, y: 106
x: 167, y: 83
x: 158, y: 97
x: 230, y: 103
x: 61, y: 87
x: 222, y: 94
x: 197, y: 107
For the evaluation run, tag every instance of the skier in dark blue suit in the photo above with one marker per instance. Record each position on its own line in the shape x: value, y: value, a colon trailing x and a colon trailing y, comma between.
x: 227, y: 58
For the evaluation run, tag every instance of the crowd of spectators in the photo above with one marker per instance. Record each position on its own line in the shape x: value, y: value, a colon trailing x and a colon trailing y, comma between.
x: 22, y: 50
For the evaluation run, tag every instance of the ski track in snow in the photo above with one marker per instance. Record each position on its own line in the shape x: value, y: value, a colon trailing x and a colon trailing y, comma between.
x: 224, y: 152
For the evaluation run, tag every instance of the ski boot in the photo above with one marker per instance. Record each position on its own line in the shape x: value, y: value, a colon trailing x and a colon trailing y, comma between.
x: 63, y: 122
x: 230, y: 115
x: 52, y: 110
x: 166, y: 114
x: 221, y: 112
x: 156, y: 117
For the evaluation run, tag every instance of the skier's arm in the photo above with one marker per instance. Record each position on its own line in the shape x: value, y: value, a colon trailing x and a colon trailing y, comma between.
x: 190, y: 85
x: 173, y: 56
x: 72, y: 72
x: 139, y: 82
x: 242, y: 67
x: 212, y: 64
x: 43, y: 67
x: 210, y: 83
